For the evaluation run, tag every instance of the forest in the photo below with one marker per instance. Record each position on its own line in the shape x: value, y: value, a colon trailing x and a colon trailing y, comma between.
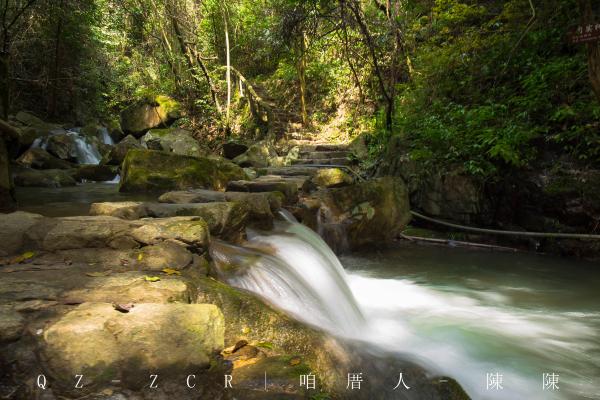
x: 299, y: 199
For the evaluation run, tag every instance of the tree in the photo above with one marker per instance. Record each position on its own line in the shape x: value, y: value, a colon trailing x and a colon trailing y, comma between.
x: 11, y: 14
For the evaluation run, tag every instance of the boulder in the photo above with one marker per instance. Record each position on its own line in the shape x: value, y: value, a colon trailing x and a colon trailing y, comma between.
x: 223, y: 218
x: 260, y: 203
x: 63, y: 146
x: 331, y: 178
x: 52, y: 234
x: 27, y: 177
x: 32, y: 128
x: 95, y: 340
x: 96, y: 173
x: 368, y: 213
x: 259, y: 155
x: 172, y: 140
x: 39, y: 158
x: 233, y: 149
x: 288, y: 188
x: 149, y: 113
x: 117, y: 153
x: 12, y: 230
x: 149, y: 170
x: 7, y: 201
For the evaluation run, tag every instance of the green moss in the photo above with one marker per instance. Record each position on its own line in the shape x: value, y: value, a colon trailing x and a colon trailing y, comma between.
x: 149, y: 170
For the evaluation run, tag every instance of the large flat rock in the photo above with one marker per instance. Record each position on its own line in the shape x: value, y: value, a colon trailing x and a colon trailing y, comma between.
x: 104, y: 344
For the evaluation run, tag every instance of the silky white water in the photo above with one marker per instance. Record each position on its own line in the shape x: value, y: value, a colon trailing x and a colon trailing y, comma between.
x: 456, y: 313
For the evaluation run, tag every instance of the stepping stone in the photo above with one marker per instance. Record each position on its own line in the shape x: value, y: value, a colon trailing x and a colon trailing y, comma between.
x: 289, y: 189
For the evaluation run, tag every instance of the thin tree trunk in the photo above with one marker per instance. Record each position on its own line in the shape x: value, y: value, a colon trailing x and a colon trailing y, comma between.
x: 4, y: 84
x: 302, y: 78
x: 189, y: 57
x: 228, y: 73
x: 389, y: 99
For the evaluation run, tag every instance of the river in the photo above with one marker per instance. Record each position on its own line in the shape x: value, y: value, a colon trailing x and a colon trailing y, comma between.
x: 471, y: 313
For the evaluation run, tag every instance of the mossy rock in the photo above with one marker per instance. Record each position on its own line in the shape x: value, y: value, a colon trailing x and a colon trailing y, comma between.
x: 149, y: 170
x: 149, y: 112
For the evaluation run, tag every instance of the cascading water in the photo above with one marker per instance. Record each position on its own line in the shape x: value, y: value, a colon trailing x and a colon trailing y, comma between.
x: 459, y: 332
x: 295, y: 270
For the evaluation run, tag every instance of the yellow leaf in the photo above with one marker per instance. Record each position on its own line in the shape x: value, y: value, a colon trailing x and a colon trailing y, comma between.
x: 245, y: 330
x: 151, y: 278
x: 23, y: 257
x: 295, y: 361
x: 171, y: 271
x: 140, y: 256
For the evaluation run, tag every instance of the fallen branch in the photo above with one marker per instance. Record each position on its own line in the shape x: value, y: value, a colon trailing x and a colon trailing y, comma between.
x: 509, y: 233
x: 458, y: 243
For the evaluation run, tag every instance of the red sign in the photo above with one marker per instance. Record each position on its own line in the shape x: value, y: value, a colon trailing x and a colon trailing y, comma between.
x: 585, y: 33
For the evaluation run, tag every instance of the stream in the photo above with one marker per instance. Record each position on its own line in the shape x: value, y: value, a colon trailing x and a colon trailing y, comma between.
x: 457, y: 312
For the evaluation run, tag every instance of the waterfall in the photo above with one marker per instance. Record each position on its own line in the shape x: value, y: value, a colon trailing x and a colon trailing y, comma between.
x: 294, y: 269
x: 86, y: 152
x: 106, y: 138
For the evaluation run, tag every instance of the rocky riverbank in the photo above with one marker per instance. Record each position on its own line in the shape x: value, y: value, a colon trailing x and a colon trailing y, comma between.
x: 96, y: 305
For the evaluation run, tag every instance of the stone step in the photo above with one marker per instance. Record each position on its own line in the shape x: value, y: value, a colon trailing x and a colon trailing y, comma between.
x: 289, y: 171
x: 331, y: 147
x: 321, y: 155
x: 330, y: 161
x: 298, y: 180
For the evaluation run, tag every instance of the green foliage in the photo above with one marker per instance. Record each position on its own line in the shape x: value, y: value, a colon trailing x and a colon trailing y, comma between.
x: 485, y: 97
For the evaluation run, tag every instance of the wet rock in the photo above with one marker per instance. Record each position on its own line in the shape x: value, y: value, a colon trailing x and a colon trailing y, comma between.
x: 147, y: 170
x: 27, y: 177
x: 192, y: 231
x: 96, y: 173
x: 370, y: 213
x: 12, y: 230
x: 40, y: 159
x: 288, y: 188
x: 11, y: 324
x: 63, y: 146
x: 259, y: 155
x: 117, y: 153
x: 148, y: 113
x: 165, y: 339
x: 233, y: 149
x: 173, y: 140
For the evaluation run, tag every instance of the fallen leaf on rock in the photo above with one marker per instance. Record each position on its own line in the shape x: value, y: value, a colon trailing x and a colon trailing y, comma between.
x: 171, y: 271
x: 265, y: 345
x: 124, y: 308
x: 245, y: 330
x: 22, y: 258
x: 151, y: 278
x: 140, y: 256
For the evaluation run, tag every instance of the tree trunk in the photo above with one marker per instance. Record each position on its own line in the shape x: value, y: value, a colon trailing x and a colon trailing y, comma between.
x: 7, y: 200
x: 593, y: 48
x: 302, y: 78
x: 228, y: 74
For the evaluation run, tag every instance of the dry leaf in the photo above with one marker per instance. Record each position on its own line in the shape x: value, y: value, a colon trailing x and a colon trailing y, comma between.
x: 124, y: 308
x: 171, y: 271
